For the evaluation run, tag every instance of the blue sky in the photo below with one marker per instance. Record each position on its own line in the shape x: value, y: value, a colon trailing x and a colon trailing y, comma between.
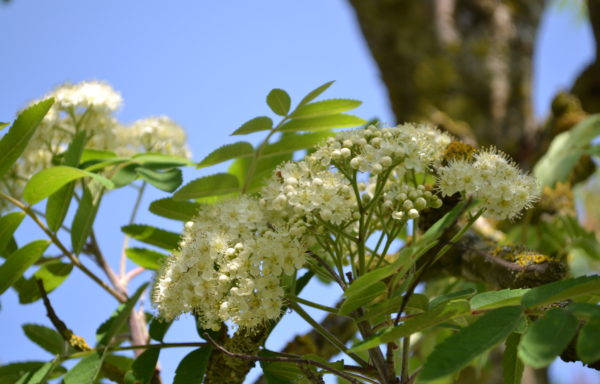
x: 207, y: 65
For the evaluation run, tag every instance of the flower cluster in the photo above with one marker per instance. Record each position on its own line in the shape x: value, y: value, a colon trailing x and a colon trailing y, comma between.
x: 155, y: 134
x: 492, y: 179
x: 229, y: 266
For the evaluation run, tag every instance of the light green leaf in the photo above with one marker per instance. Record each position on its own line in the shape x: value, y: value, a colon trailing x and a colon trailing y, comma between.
x: 14, y: 142
x: 339, y: 120
x: 160, y: 161
x: 167, y: 181
x: 52, y: 274
x: 3, y: 125
x: 547, y: 338
x: 192, y: 367
x: 45, y: 337
x: 561, y: 290
x: 315, y: 93
x: 464, y: 293
x: 426, y: 320
x: 374, y: 312
x: 173, y: 209
x: 585, y: 310
x: 368, y: 279
x: 292, y: 142
x: 85, y: 216
x: 50, y: 180
x: 279, y: 101
x: 358, y: 298
x: 325, y: 107
x: 90, y: 154
x: 565, y: 150
x: 456, y: 351
x: 261, y: 123
x: 8, y: 225
x: 512, y: 366
x: 227, y: 152
x: 495, y: 299
x: 213, y: 185
x: 125, y: 175
x: 152, y: 235
x: 146, y: 258
x: 19, y: 261
x: 86, y: 370
x: 143, y: 367
x: 588, y: 348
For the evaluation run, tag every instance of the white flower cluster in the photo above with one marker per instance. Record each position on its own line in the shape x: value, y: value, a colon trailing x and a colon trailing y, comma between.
x: 229, y: 266
x: 155, y: 134
x: 492, y: 179
x: 405, y: 201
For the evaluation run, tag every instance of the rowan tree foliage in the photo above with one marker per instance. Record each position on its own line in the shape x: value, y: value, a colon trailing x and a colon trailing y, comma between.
x: 450, y: 239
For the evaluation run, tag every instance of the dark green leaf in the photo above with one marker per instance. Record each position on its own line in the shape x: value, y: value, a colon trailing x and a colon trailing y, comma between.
x: 426, y: 320
x: 458, y: 350
x: 85, y: 216
x: 339, y: 120
x: 227, y: 152
x: 15, y: 141
x: 292, y: 142
x: 315, y: 93
x: 173, y: 209
x: 325, y: 107
x: 261, y: 123
x: 152, y: 235
x: 192, y: 367
x: 52, y: 274
x: 45, y: 337
x: 213, y: 185
x: 146, y: 258
x: 125, y: 175
x: 512, y: 366
x: 143, y: 367
x: 74, y: 152
x: 50, y: 180
x: 358, y: 298
x: 158, y: 328
x: 495, y: 299
x: 86, y: 370
x: 167, y: 181
x: 370, y: 278
x: 10, y: 373
x: 561, y: 290
x: 547, y: 338
x: 279, y: 101
x: 382, y: 310
x: 47, y: 371
x: 19, y: 261
x: 8, y: 225
x: 58, y: 206
x: 280, y: 373
x: 585, y: 310
x: 588, y: 348
x: 121, y: 316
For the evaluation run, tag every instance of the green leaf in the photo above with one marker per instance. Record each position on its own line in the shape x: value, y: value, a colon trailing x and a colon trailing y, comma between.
x: 8, y: 225
x: 57, y: 206
x: 90, y: 154
x: 339, y: 120
x: 213, y: 185
x: 325, y: 107
x: 315, y: 93
x: 279, y: 101
x: 547, y: 338
x: 45, y: 337
x: 565, y: 150
x: 588, y: 348
x: 227, y: 152
x: 158, y: 328
x: 86, y: 370
x: 50, y: 180
x: 417, y: 302
x: 358, y: 298
x: 121, y: 317
x: 585, y: 310
x: 292, y: 142
x: 42, y: 374
x: 561, y: 290
x: 3, y: 125
x: 495, y: 299
x: 14, y: 142
x: 10, y: 373
x: 280, y: 373
x: 368, y: 279
x: 160, y: 161
x: 512, y: 366
x: 173, y: 209
x: 143, y: 367
x: 167, y: 181
x: 152, y: 235
x: 442, y: 299
x: 19, y: 261
x: 192, y: 367
x: 433, y: 317
x: 261, y: 123
x: 52, y: 274
x: 125, y: 175
x: 146, y: 258
x: 85, y: 216
x: 456, y: 351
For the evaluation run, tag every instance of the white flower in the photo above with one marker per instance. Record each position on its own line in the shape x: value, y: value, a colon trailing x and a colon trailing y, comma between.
x: 155, y: 134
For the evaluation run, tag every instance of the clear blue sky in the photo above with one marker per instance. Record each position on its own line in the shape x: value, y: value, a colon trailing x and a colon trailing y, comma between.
x: 207, y: 65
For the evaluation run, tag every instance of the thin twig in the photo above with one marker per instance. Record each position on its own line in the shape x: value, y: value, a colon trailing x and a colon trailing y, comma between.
x: 328, y: 268
x: 132, y: 274
x: 281, y: 359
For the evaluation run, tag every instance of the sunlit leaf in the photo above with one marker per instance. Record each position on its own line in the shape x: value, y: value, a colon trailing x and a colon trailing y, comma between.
x: 279, y: 101
x: 146, y: 258
x: 315, y: 93
x: 339, y: 120
x: 8, y: 225
x: 561, y: 290
x: 19, y: 261
x: 152, y: 235
x: 495, y: 299
x: 227, y: 152
x: 213, y: 185
x: 261, y: 123
x: 325, y: 107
